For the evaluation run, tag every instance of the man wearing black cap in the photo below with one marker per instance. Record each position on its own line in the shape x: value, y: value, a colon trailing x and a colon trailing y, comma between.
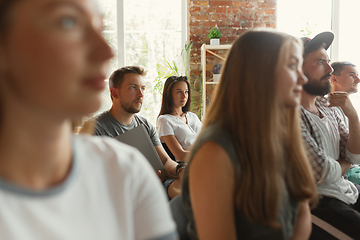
x: 332, y: 147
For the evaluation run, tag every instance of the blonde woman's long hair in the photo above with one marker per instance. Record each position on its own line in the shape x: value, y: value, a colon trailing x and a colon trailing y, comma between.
x: 266, y: 135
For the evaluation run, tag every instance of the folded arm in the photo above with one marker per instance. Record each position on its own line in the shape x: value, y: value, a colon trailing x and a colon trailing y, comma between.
x: 175, y: 147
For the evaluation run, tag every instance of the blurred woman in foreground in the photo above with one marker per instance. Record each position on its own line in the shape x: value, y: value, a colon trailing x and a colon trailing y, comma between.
x: 53, y: 185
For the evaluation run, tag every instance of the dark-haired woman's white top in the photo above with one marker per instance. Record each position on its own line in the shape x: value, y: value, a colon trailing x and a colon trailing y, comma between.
x: 185, y: 133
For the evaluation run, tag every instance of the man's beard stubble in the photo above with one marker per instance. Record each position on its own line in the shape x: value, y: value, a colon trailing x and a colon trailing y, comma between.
x: 316, y: 87
x: 129, y: 108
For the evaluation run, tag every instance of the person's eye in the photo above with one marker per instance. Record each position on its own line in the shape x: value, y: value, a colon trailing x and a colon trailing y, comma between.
x: 293, y: 66
x: 68, y: 22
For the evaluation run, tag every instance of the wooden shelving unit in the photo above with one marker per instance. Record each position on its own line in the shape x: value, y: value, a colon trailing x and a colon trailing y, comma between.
x: 209, y: 49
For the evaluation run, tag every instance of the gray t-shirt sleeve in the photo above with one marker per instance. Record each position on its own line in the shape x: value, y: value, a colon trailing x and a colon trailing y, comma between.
x: 99, y: 130
x: 154, y: 136
x: 104, y: 125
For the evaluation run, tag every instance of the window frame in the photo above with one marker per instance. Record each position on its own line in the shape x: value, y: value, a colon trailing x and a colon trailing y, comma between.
x: 335, y: 27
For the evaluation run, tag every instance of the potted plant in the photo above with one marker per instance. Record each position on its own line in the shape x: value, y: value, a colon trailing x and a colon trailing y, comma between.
x: 216, y: 72
x: 214, y: 36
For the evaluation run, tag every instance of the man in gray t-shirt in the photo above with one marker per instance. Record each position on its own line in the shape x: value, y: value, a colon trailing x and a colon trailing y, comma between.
x: 107, y: 125
x: 127, y: 92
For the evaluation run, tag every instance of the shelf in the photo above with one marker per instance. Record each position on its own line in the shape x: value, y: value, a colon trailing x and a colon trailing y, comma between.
x: 216, y: 47
x: 208, y: 49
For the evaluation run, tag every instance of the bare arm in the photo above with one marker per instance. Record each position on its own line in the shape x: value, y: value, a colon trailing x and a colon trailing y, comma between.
x: 303, y: 225
x: 175, y: 147
x: 169, y: 164
x: 353, y: 143
x: 345, y: 165
x: 211, y: 184
x: 341, y: 99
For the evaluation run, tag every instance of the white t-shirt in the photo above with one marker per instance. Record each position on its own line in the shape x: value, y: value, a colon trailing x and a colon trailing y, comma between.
x: 333, y: 184
x: 186, y: 134
x: 111, y: 192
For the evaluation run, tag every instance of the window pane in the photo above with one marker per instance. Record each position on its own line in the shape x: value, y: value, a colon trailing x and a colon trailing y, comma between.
x: 303, y: 18
x: 297, y: 18
x: 349, y: 49
x: 110, y: 34
x: 152, y: 15
x: 152, y: 34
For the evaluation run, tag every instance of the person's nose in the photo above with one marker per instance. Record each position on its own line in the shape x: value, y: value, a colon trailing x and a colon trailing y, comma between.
x: 302, y: 79
x: 357, y: 79
x: 101, y: 51
x: 183, y: 95
x: 141, y: 92
x: 329, y: 68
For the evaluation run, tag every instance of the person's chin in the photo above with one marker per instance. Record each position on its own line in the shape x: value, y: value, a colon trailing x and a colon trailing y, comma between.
x: 136, y: 109
x: 353, y: 90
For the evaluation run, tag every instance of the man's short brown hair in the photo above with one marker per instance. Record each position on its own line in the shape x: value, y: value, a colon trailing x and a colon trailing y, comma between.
x: 339, y: 66
x: 117, y: 77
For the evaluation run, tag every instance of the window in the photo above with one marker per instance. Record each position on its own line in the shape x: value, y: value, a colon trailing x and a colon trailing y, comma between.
x: 348, y: 28
x: 145, y: 32
x: 303, y: 18
x: 308, y: 17
x: 110, y: 34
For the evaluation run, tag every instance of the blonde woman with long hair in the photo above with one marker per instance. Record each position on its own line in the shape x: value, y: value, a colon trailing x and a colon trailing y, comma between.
x: 248, y: 176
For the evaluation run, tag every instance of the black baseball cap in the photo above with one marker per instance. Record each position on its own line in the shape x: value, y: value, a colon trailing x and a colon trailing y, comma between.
x: 311, y: 45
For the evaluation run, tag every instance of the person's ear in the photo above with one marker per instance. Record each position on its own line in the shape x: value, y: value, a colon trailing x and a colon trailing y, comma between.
x: 333, y: 79
x: 114, y: 93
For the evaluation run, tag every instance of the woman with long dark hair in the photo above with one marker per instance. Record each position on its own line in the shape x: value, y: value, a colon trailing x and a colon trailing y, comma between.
x: 176, y: 125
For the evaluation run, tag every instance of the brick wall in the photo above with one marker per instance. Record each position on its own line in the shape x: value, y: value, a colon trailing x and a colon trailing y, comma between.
x: 232, y: 18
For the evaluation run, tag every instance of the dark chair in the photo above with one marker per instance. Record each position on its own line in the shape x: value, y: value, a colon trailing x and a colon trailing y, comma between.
x: 179, y: 217
x: 168, y: 151
x: 323, y: 230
